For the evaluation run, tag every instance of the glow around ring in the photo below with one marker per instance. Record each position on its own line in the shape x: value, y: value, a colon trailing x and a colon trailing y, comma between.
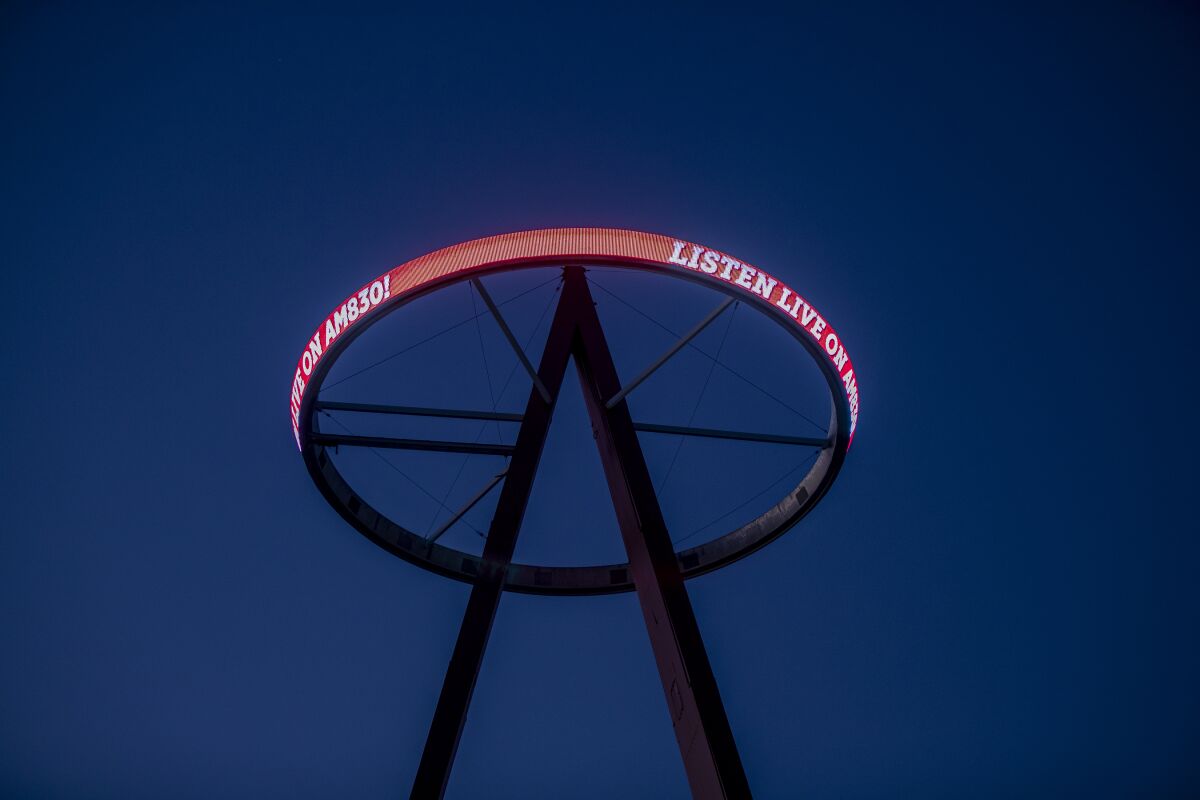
x: 589, y: 247
x: 561, y: 245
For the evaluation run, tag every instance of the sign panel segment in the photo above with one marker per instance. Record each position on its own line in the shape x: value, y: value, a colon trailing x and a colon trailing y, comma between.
x: 563, y: 245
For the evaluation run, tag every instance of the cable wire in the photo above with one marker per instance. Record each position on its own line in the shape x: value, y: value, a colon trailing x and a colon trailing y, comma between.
x: 428, y: 339
x: 462, y: 464
x: 742, y: 505
x: 723, y: 366
x: 487, y: 373
x: 404, y: 474
x: 699, y: 399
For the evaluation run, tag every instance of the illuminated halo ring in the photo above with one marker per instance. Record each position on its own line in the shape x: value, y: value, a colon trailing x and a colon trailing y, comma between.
x: 647, y: 252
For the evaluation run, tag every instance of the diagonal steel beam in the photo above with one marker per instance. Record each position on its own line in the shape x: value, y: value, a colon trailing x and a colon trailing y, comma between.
x: 672, y: 350
x: 459, y: 684
x: 512, y: 340
x: 710, y: 756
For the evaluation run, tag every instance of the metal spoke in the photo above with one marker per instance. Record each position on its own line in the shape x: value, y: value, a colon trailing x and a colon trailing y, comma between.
x: 512, y: 340
x: 457, y: 515
x: 528, y: 340
x: 714, y: 433
x: 428, y: 339
x: 383, y: 442
x: 672, y: 350
x: 416, y: 411
x: 717, y: 361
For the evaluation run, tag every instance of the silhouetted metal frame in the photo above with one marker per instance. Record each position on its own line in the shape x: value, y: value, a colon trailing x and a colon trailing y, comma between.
x: 710, y: 757
x: 459, y: 684
x: 655, y: 570
x: 558, y: 580
x: 711, y: 761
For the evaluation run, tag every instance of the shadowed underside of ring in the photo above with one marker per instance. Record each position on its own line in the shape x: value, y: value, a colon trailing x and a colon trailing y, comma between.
x: 585, y: 248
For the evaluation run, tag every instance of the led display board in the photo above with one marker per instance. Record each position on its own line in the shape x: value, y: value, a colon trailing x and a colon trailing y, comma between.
x: 635, y: 249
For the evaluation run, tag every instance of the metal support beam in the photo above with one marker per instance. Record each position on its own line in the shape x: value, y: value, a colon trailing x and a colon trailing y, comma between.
x: 672, y: 350
x: 461, y: 674
x: 386, y: 443
x: 457, y: 515
x: 710, y: 755
x: 512, y: 340
x: 415, y: 411
x: 713, y: 433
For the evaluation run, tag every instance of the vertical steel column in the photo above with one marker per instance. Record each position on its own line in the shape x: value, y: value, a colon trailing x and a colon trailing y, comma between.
x: 710, y: 755
x: 461, y: 674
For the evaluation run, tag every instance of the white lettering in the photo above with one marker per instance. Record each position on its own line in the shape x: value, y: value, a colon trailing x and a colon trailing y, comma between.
x: 677, y: 257
x: 730, y: 265
x: 764, y: 284
x: 297, y: 388
x: 795, y: 307
x: 748, y: 272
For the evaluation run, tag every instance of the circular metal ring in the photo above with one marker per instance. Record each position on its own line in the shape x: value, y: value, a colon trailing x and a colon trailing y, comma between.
x: 648, y: 252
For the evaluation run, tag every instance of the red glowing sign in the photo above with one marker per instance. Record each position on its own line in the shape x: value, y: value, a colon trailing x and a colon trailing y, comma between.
x: 579, y: 245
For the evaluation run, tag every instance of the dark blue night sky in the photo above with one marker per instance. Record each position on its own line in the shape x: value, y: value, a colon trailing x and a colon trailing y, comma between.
x: 996, y: 207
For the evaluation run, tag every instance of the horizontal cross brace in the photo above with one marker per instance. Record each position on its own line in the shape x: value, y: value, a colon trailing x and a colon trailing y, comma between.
x: 415, y: 411
x: 713, y: 433
x: 336, y: 439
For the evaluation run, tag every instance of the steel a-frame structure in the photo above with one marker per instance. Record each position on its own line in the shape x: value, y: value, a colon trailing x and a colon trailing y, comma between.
x: 714, y: 768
